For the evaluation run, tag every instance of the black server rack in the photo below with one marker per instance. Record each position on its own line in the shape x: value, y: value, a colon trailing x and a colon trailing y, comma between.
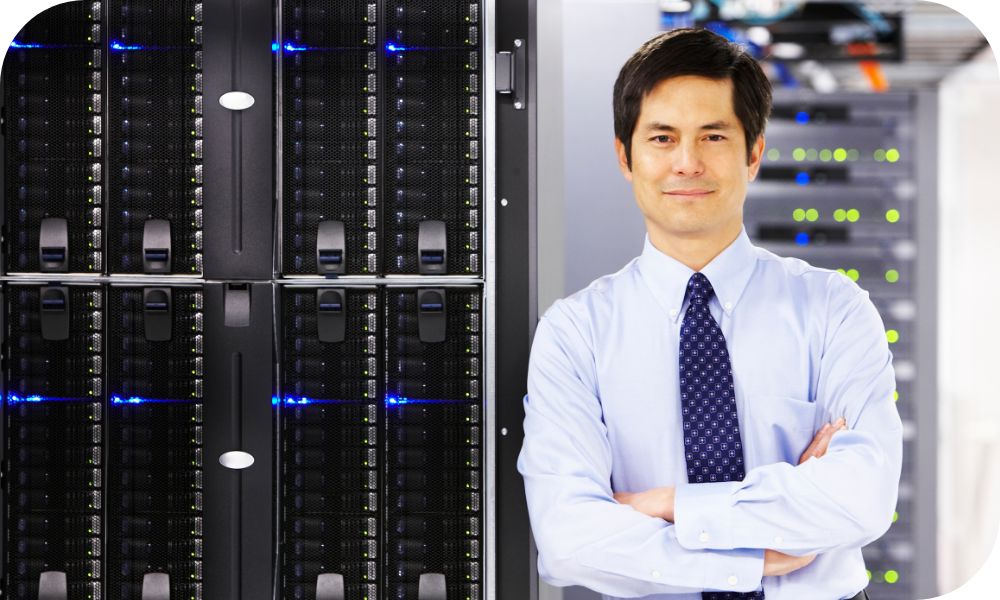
x: 154, y: 436
x: 251, y: 261
x: 433, y: 468
x: 53, y: 146
x: 155, y: 127
x: 329, y: 419
x: 53, y: 443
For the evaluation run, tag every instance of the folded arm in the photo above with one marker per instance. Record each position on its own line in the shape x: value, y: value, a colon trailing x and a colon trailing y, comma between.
x: 847, y: 497
x: 584, y: 536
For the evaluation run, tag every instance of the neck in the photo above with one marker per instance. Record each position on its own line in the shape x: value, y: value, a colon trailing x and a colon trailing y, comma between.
x: 696, y: 250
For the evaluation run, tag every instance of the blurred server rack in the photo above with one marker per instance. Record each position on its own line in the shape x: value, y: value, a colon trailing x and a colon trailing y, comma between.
x: 327, y: 402
x: 847, y: 183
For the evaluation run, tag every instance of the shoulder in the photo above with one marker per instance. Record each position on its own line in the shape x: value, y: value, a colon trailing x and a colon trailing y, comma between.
x: 808, y: 283
x: 584, y: 310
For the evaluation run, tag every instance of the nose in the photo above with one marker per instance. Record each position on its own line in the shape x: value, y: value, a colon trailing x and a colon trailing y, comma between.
x: 687, y: 159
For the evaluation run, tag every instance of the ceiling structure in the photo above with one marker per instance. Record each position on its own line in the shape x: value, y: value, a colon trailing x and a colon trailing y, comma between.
x: 936, y: 40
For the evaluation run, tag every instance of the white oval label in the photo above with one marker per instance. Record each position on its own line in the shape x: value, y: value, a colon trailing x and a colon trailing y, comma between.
x: 236, y: 100
x: 236, y: 459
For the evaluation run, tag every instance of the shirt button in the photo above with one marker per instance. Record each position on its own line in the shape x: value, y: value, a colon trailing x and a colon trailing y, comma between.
x: 655, y: 574
x: 673, y: 312
x: 732, y: 580
x: 703, y: 537
x: 729, y: 305
x: 778, y: 540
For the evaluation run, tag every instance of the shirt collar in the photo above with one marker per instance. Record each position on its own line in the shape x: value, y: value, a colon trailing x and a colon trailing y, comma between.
x: 728, y: 273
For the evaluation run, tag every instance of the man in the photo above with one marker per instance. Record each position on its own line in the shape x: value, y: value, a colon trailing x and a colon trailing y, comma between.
x: 712, y: 421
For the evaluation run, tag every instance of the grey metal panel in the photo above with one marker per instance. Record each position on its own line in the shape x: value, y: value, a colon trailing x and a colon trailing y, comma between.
x: 515, y: 257
x: 238, y: 503
x: 926, y: 510
x: 238, y: 144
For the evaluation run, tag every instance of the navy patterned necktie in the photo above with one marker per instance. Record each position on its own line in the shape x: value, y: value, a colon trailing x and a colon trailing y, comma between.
x: 712, y: 445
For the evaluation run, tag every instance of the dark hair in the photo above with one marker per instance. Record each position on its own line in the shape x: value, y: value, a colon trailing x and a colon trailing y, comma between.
x: 691, y: 52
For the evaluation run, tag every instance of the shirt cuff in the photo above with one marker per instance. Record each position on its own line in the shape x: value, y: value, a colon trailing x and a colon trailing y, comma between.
x: 704, y: 515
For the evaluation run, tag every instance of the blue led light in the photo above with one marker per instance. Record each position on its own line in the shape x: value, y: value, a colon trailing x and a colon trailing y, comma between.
x: 17, y: 44
x: 397, y: 400
x: 303, y: 400
x: 16, y: 399
x: 802, y: 238
x: 802, y: 178
x: 288, y: 47
x: 390, y: 47
x: 802, y: 117
x: 116, y: 45
x: 139, y: 400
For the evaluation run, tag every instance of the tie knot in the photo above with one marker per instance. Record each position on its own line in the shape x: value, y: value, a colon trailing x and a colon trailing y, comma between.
x: 699, y: 289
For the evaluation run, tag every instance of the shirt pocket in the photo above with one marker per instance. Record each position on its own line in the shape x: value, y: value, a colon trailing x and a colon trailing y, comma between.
x: 782, y: 427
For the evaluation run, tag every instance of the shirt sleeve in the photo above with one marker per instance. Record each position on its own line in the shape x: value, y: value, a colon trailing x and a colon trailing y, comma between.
x: 846, y: 498
x: 584, y: 537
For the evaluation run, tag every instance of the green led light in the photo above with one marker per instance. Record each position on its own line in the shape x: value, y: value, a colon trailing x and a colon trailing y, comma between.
x: 812, y: 214
x: 799, y: 215
x: 879, y: 155
x: 892, y: 215
x: 853, y: 215
x: 799, y: 154
x: 839, y: 215
x: 825, y: 155
x: 853, y: 274
x: 811, y: 154
x: 842, y: 272
x: 895, y: 516
x: 892, y: 335
x: 840, y: 155
x: 892, y: 275
x: 892, y: 155
x: 891, y: 576
x: 895, y: 395
x: 773, y: 154
x: 853, y: 154
x: 868, y: 571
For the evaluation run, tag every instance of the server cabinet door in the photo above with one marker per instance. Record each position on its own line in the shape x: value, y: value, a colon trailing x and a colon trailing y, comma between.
x: 329, y: 418
x: 53, y: 110
x: 434, y: 513
x: 432, y: 141
x: 328, y: 60
x: 155, y: 437
x: 239, y: 363
x: 155, y: 133
x: 239, y: 143
x: 53, y: 458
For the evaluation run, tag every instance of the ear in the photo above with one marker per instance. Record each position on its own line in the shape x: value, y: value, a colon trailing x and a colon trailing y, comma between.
x: 622, y: 160
x: 756, y: 154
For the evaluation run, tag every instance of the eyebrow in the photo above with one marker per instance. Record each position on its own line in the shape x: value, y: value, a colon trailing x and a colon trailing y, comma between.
x: 713, y: 126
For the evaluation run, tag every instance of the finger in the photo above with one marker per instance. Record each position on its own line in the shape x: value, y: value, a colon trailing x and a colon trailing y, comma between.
x: 824, y: 443
x: 812, y: 445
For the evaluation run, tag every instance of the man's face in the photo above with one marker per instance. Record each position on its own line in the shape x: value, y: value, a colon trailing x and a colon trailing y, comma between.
x: 689, y: 164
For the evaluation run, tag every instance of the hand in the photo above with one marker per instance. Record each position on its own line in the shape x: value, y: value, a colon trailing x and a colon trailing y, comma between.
x: 656, y: 502
x: 822, y: 440
x: 777, y: 563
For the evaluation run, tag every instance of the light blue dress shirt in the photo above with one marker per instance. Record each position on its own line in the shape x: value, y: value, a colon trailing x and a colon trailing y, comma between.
x: 602, y: 414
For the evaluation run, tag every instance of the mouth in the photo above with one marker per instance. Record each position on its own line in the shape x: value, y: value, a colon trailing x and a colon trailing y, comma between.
x: 689, y: 193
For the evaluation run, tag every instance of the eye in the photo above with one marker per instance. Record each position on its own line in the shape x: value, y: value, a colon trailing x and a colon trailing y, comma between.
x: 660, y: 139
x: 716, y: 137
